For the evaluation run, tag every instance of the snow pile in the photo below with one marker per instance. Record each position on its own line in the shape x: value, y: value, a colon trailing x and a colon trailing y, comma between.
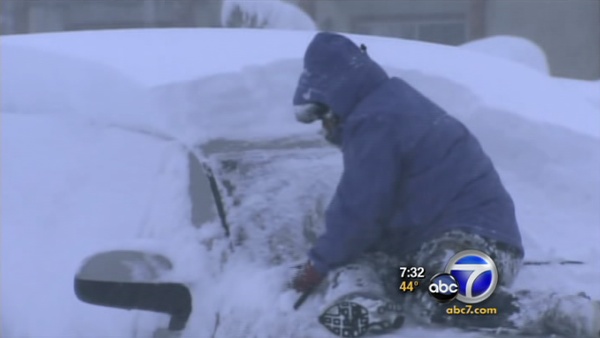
x: 527, y: 53
x: 590, y: 90
x: 141, y: 56
x: 512, y: 48
x: 194, y: 54
x: 254, y: 103
x: 273, y: 14
x: 66, y: 85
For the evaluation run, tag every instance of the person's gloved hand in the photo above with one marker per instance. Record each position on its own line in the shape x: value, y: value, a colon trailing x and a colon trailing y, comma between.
x: 307, y: 278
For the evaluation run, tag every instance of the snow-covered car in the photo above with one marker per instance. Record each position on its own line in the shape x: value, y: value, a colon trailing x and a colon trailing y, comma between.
x: 251, y: 189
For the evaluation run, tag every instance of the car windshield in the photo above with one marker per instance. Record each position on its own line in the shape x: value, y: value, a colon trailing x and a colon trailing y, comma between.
x: 272, y: 218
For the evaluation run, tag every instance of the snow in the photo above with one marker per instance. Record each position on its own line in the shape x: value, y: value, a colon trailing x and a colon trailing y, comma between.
x: 590, y: 90
x: 514, y: 48
x: 141, y: 54
x: 68, y: 85
x: 194, y: 54
x: 95, y: 132
x: 69, y: 189
x: 273, y: 14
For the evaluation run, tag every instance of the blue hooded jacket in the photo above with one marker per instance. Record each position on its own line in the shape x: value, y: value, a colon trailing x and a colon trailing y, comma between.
x: 411, y: 171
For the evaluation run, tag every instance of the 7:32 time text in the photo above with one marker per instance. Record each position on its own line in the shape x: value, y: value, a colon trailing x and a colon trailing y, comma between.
x: 416, y: 272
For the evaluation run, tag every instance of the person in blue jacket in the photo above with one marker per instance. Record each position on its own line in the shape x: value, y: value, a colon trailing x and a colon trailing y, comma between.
x: 416, y: 188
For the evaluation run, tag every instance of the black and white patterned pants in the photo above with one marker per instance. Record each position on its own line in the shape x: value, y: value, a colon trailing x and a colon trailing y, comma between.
x: 433, y: 256
x: 526, y: 311
x: 379, y: 273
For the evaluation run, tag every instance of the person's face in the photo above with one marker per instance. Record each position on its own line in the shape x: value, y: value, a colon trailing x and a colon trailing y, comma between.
x: 329, y: 128
x: 312, y: 112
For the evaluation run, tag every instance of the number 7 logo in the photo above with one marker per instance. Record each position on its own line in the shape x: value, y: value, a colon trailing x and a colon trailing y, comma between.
x: 476, y: 275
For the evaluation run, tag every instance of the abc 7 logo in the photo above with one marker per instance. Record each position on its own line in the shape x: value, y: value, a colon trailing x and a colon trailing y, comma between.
x: 470, y: 277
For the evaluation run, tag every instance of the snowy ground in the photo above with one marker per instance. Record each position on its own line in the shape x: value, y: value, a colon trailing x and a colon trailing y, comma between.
x: 74, y: 181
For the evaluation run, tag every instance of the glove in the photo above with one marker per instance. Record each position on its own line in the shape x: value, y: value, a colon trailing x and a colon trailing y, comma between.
x: 307, y: 278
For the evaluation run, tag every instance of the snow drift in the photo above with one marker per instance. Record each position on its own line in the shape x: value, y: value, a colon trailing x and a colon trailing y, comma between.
x: 526, y: 52
x: 273, y: 14
x: 42, y: 82
x: 512, y: 48
x: 590, y: 90
x: 491, y: 80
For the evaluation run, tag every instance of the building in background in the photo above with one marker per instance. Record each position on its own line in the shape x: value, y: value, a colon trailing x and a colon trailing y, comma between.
x: 567, y: 30
x: 34, y: 16
x: 441, y: 21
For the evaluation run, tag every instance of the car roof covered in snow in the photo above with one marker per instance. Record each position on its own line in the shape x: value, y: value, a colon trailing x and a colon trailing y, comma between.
x: 138, y: 58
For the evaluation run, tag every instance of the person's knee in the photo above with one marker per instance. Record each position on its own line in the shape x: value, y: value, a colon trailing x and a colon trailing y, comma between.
x: 435, y: 254
x: 353, y: 278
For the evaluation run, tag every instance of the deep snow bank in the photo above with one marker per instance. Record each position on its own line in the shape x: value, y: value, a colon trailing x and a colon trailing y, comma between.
x: 37, y: 81
x: 253, y: 103
x: 526, y: 52
x: 141, y: 56
x: 590, y: 90
x: 512, y: 48
x: 159, y: 56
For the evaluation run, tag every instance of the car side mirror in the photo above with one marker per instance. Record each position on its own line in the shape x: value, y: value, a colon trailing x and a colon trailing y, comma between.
x: 128, y: 279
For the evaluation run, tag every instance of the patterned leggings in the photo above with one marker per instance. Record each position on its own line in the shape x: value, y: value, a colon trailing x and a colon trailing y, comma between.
x: 433, y: 256
x: 379, y: 274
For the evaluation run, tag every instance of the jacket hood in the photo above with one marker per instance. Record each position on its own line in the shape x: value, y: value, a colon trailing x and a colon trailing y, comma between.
x: 337, y: 73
